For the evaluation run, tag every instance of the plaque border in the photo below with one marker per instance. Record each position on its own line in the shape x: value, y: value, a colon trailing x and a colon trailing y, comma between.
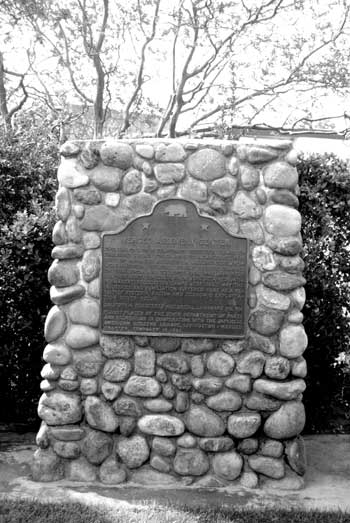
x: 172, y: 334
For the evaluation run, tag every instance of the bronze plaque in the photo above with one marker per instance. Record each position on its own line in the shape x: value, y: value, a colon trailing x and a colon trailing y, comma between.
x: 174, y: 273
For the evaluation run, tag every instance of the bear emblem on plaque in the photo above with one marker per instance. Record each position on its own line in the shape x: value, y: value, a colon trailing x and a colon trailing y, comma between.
x: 176, y: 210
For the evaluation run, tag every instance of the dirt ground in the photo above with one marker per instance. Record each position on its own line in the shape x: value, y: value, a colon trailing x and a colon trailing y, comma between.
x: 327, y: 482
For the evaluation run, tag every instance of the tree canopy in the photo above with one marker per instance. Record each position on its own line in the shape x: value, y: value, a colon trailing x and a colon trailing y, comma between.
x: 167, y: 66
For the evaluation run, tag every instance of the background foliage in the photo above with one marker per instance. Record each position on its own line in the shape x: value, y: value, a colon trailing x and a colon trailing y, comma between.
x: 27, y: 187
x: 325, y: 207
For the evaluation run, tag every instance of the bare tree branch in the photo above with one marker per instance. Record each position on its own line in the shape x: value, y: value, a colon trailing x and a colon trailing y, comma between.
x: 312, y: 120
x: 172, y: 98
x: 215, y: 61
x: 69, y: 67
x: 262, y: 108
x: 206, y: 115
x: 140, y: 74
x: 6, y: 113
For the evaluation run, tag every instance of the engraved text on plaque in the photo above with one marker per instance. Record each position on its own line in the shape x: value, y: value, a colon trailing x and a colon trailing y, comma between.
x: 174, y: 273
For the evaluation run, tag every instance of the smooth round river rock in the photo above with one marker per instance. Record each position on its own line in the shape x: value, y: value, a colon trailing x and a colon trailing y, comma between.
x: 225, y: 187
x: 281, y: 390
x: 271, y: 467
x: 133, y: 451
x: 286, y: 422
x: 243, y: 424
x: 280, y: 175
x: 208, y: 386
x: 168, y: 173
x: 161, y: 425
x: 220, y: 364
x: 281, y: 220
x: 220, y: 444
x: 266, y: 322
x: 277, y: 367
x: 272, y: 299
x: 97, y: 446
x: 206, y: 164
x: 204, y: 422
x: 116, y: 154
x: 70, y: 174
x: 293, y: 341
x: 228, y: 465
x: 296, y: 455
x: 227, y: 400
x: 47, y: 466
x: 85, y: 311
x: 142, y: 386
x: 60, y: 408
x: 100, y: 415
x: 194, y: 190
x: 191, y: 462
x: 112, y: 472
x: 174, y: 362
x: 283, y: 281
x: 57, y: 354
x: 55, y: 324
x: 116, y: 370
x: 62, y: 204
x: 80, y: 336
x: 251, y: 363
x: 66, y: 295
x: 63, y: 273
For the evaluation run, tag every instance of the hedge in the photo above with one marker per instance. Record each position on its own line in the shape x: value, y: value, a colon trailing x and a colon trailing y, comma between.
x: 27, y: 186
x: 24, y: 302
x: 325, y: 208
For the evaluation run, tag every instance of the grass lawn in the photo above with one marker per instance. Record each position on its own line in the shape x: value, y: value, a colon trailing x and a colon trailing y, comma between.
x: 32, y: 511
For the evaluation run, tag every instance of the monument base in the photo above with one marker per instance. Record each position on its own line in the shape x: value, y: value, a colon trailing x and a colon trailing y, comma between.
x: 208, y: 391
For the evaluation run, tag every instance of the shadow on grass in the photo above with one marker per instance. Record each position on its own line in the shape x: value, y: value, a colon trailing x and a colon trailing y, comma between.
x: 34, y: 511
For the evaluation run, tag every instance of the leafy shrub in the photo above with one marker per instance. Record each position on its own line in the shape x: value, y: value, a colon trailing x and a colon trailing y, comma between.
x: 325, y: 207
x: 27, y: 172
x: 25, y: 248
x: 27, y: 187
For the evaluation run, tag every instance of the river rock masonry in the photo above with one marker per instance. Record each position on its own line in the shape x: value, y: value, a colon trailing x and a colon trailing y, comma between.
x: 168, y: 410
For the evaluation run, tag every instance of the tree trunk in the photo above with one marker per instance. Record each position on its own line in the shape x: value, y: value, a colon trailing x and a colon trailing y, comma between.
x: 98, y: 130
x: 3, y: 102
x: 99, y: 115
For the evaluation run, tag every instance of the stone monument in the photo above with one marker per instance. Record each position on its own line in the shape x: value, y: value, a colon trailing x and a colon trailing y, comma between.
x: 175, y: 343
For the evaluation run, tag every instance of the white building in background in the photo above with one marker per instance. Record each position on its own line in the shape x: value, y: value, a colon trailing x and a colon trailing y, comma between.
x: 340, y: 146
x: 304, y: 141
